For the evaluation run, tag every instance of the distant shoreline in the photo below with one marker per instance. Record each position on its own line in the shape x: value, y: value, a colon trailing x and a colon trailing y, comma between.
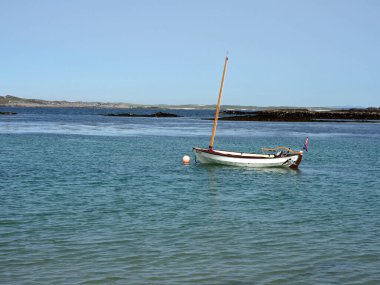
x: 228, y: 113
x: 13, y: 101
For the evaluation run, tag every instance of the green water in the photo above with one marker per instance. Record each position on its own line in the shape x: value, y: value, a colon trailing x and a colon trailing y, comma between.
x: 109, y: 209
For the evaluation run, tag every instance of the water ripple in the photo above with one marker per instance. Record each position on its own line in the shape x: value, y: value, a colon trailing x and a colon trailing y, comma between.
x: 122, y: 209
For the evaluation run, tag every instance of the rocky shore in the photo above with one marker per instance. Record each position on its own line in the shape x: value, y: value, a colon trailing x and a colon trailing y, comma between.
x: 7, y: 113
x: 155, y: 115
x: 303, y: 115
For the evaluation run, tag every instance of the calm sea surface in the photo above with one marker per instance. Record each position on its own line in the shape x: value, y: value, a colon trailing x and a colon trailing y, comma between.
x: 88, y: 199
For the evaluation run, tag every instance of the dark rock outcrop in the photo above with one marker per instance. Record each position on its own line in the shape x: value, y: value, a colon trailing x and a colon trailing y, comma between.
x: 155, y: 115
x: 304, y: 115
x: 236, y: 112
x: 7, y: 113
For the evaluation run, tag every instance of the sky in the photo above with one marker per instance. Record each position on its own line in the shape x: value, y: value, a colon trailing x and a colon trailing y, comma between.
x: 281, y: 53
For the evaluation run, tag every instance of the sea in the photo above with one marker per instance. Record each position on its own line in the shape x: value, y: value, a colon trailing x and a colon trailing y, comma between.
x: 92, y: 199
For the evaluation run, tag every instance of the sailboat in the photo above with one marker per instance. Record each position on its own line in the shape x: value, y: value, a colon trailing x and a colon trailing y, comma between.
x: 271, y: 157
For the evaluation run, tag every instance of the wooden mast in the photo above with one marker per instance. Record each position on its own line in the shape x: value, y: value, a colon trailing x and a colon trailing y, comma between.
x: 218, y: 106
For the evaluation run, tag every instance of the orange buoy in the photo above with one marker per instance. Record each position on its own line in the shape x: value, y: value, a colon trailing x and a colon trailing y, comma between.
x: 186, y: 159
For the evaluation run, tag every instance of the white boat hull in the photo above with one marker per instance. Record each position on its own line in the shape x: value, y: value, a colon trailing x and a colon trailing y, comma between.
x: 206, y: 156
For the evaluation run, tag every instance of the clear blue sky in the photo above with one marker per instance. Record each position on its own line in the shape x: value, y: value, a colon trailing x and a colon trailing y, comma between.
x: 295, y: 53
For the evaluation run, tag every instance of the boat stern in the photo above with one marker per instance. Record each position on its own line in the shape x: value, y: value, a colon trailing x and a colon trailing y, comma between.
x: 296, y: 160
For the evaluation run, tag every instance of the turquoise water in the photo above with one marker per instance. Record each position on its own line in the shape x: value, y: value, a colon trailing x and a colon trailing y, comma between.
x: 87, y: 199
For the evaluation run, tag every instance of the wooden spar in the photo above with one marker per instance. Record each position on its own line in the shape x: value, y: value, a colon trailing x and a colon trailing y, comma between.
x: 218, y: 105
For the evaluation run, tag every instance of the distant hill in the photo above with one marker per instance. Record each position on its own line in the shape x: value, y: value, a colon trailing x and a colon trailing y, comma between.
x: 13, y: 101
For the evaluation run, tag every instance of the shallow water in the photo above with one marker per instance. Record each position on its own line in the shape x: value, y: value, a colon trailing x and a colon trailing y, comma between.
x: 87, y: 199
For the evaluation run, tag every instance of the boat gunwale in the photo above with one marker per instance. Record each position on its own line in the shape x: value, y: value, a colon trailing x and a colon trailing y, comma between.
x: 237, y: 155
